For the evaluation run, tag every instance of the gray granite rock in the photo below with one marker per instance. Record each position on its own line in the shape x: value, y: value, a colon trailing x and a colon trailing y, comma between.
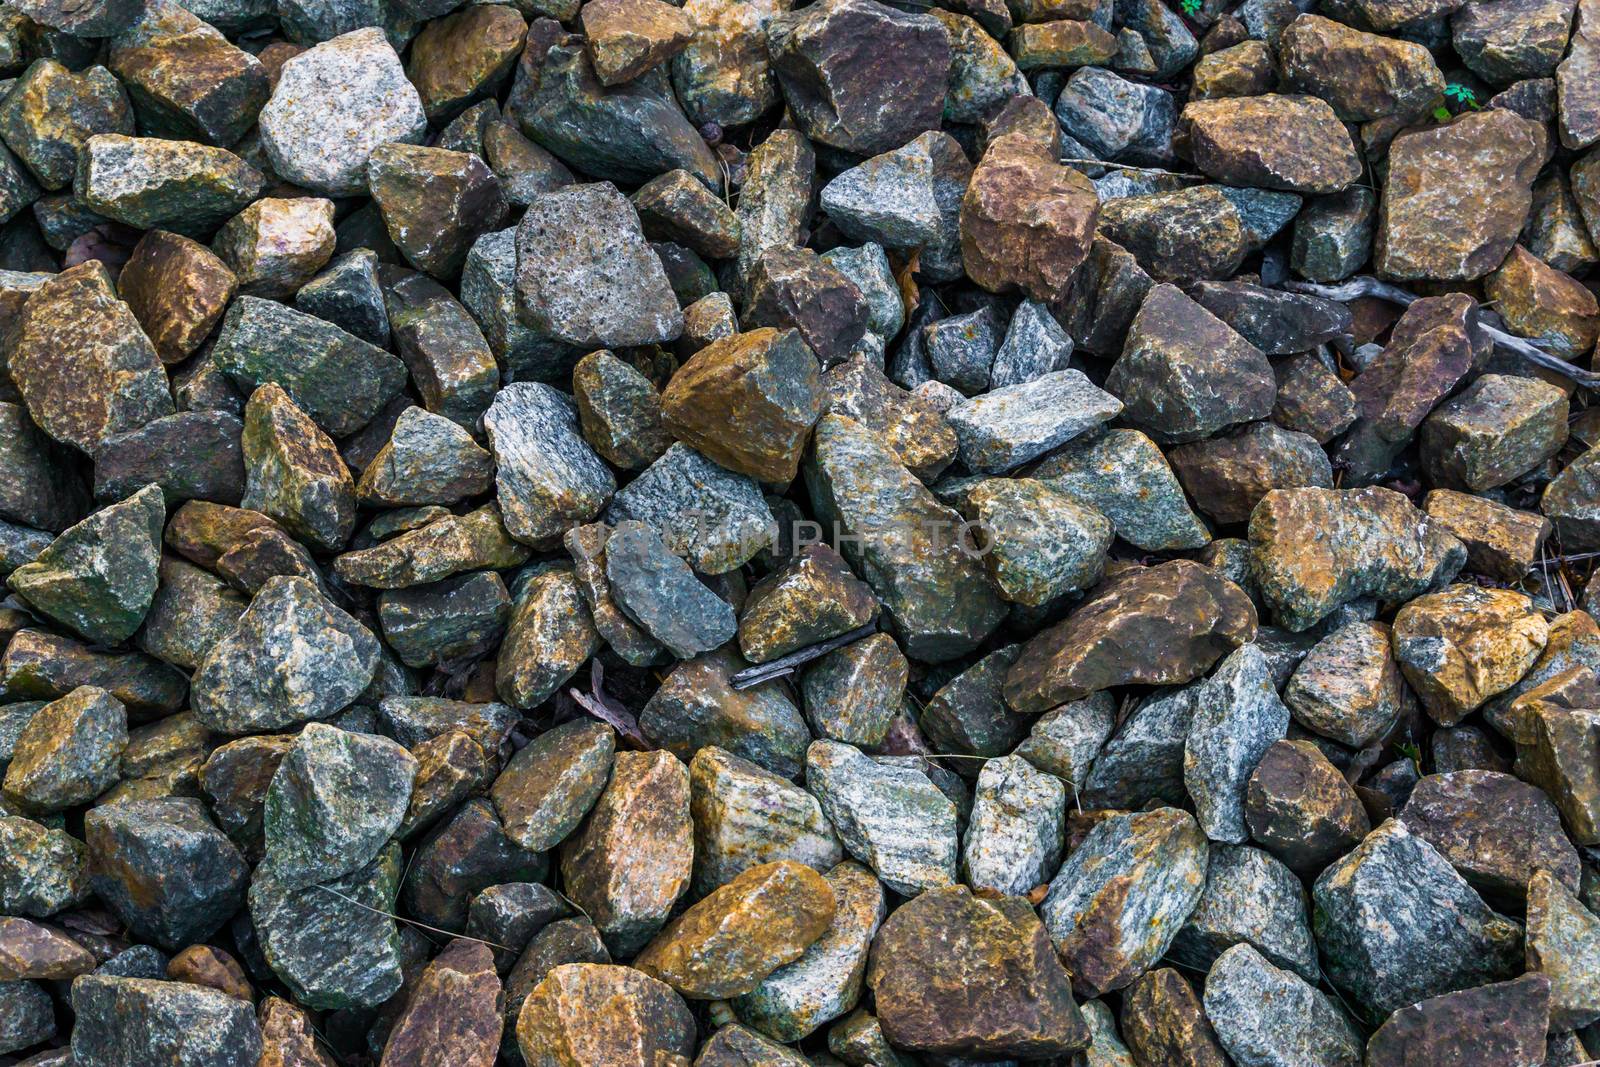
x: 1395, y: 924
x: 1017, y: 832
x: 99, y: 577
x: 659, y: 592
x: 549, y: 479
x: 293, y: 657
x: 1237, y: 718
x: 1009, y: 426
x: 585, y: 274
x: 164, y: 868
x: 332, y: 105
x: 338, y: 379
x: 715, y: 519
x: 1123, y: 894
x: 1123, y: 474
x: 138, y: 1020
x: 334, y: 802
x: 1254, y: 899
x: 333, y: 944
x: 891, y: 818
x: 937, y: 597
x: 1268, y: 1017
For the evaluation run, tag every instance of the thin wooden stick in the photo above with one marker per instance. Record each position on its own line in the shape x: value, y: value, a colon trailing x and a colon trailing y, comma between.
x: 783, y: 665
x: 1364, y: 285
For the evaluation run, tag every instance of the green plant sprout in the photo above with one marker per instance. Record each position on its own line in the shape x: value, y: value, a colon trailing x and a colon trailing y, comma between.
x: 1192, y: 7
x: 1463, y: 97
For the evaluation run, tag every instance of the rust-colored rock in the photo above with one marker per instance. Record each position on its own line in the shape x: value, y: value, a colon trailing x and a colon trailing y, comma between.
x: 584, y: 1014
x: 210, y: 966
x: 177, y: 289
x: 632, y: 858
x: 1541, y: 302
x: 1027, y: 222
x: 1293, y: 143
x: 748, y: 402
x: 1299, y: 807
x: 453, y: 1017
x: 287, y: 1037
x: 743, y: 931
x: 1457, y: 196
x: 1143, y: 626
x: 1465, y: 644
x: 1164, y: 1025
x: 958, y: 975
x: 1488, y: 1026
x: 1495, y: 829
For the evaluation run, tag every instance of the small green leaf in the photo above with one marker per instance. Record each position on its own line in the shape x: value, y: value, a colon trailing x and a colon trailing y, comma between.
x: 1441, y: 114
x: 1192, y: 7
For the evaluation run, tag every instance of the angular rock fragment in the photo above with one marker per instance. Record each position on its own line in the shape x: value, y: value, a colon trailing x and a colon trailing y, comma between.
x: 186, y: 79
x: 1465, y: 644
x: 1563, y: 944
x: 68, y: 753
x: 1495, y: 431
x: 643, y: 813
x: 660, y: 593
x: 1026, y: 221
x: 1268, y: 1016
x: 335, y: 800
x: 1228, y: 475
x: 138, y: 1020
x: 1249, y: 898
x: 741, y: 932
x: 646, y: 1022
x: 1122, y: 895
x: 1395, y: 924
x: 1162, y: 1022
x: 811, y: 600
x: 52, y: 111
x: 294, y: 474
x: 99, y: 577
x: 337, y: 379
x: 333, y: 944
x: 435, y: 203
x: 1041, y: 544
x: 891, y: 818
x: 1293, y: 143
x: 1368, y: 542
x: 82, y: 364
x: 550, y: 784
x: 153, y: 183
x: 1016, y: 834
x: 549, y: 479
x: 332, y: 105
x: 1181, y: 616
x: 1123, y: 474
x: 1493, y: 828
x: 585, y: 274
x: 164, y: 868
x: 293, y: 657
x: 1488, y: 160
x: 863, y: 102
x: 1503, y: 1022
x: 747, y: 402
x: 451, y: 1017
x: 1237, y: 718
x: 1349, y: 687
x: 930, y: 953
x: 274, y: 246
x: 696, y: 706
x: 935, y: 593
